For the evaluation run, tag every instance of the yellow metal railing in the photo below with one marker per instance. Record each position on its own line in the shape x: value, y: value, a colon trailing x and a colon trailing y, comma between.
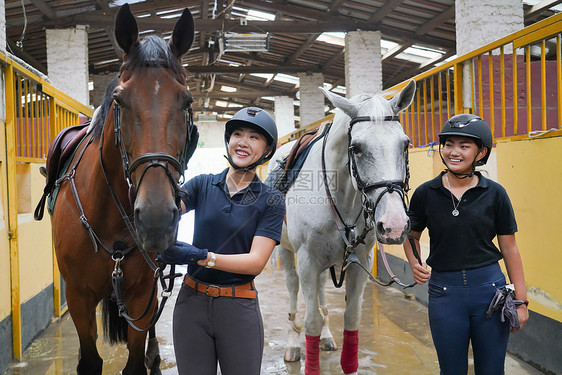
x: 515, y: 84
x: 39, y: 110
x: 518, y: 93
x: 35, y: 113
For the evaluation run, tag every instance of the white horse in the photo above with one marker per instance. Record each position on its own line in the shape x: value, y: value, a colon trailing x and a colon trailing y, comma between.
x: 363, y: 161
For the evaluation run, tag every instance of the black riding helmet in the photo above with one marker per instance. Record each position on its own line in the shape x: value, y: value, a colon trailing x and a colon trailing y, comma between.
x: 471, y: 126
x: 254, y: 118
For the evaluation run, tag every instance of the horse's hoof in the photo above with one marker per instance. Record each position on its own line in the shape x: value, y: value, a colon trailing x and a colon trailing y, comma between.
x: 292, y: 354
x: 328, y: 344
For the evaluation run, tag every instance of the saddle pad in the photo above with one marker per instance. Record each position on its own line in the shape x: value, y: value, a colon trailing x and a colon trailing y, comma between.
x: 286, y: 172
x: 59, y: 155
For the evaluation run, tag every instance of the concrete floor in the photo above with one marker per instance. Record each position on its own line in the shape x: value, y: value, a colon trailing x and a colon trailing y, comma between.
x: 394, y: 337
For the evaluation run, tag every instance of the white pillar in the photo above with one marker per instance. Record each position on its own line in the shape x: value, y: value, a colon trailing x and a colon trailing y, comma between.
x: 67, y: 61
x: 479, y: 22
x: 100, y: 83
x: 311, y: 98
x: 2, y: 26
x: 363, y: 62
x: 284, y: 115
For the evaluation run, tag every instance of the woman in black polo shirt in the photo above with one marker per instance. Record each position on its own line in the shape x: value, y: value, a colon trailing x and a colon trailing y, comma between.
x: 464, y: 212
x: 238, y: 222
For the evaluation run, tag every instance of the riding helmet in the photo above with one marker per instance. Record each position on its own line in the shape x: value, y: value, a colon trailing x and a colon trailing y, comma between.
x: 258, y: 119
x: 471, y: 126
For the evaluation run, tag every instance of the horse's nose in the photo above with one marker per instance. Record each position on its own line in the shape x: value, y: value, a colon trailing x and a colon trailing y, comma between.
x: 389, y: 232
x: 156, y: 224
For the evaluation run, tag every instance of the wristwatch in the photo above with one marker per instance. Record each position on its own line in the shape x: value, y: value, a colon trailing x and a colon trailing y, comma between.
x: 211, y: 262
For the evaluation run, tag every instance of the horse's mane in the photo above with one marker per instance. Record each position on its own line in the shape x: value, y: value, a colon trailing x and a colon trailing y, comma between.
x: 152, y: 51
x: 376, y: 104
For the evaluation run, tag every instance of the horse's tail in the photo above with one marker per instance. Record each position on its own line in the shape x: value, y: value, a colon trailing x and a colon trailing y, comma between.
x: 114, y: 327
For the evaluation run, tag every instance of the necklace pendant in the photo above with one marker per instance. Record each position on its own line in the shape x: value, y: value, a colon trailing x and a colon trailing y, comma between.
x: 455, y: 212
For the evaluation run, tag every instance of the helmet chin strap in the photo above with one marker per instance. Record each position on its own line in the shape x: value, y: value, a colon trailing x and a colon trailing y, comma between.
x: 251, y: 166
x: 459, y: 175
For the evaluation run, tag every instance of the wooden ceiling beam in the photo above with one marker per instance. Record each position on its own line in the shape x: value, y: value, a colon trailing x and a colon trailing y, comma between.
x: 383, y: 11
x: 213, y: 69
x: 45, y: 9
x: 536, y: 9
x: 213, y: 25
x: 443, y: 17
x: 310, y: 41
x: 26, y: 56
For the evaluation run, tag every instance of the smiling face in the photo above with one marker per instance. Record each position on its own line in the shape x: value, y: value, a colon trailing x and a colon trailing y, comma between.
x: 459, y: 153
x: 246, y: 146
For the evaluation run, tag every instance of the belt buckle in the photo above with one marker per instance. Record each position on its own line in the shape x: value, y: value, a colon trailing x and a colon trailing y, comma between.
x: 213, y: 291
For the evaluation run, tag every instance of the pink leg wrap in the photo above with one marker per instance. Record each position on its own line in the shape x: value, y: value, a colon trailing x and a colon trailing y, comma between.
x: 312, y: 362
x: 349, y: 362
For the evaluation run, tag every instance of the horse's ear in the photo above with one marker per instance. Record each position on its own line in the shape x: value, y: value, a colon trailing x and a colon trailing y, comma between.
x: 404, y: 98
x: 126, y: 29
x: 182, y: 37
x: 340, y: 102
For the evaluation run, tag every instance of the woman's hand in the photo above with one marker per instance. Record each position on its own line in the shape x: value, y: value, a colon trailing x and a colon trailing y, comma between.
x: 523, y: 315
x: 421, y: 273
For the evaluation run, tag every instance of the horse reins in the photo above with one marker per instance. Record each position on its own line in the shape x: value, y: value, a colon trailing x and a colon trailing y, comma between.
x: 347, y: 232
x: 157, y: 159
x: 120, y: 250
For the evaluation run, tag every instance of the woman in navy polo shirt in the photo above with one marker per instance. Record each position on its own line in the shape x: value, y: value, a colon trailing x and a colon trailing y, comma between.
x: 238, y: 222
x: 464, y: 212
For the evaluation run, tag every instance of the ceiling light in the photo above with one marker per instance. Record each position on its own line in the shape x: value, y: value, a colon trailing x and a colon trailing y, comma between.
x: 253, y: 42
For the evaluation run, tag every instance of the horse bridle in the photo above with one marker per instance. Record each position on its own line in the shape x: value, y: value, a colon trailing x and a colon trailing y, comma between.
x: 400, y: 186
x: 153, y: 159
x: 347, y: 231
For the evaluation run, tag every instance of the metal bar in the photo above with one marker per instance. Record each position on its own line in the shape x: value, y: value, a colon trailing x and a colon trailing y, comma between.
x: 17, y: 108
x: 448, y: 94
x: 33, y: 121
x: 543, y: 83
x: 404, y: 122
x: 515, y: 91
x: 542, y: 33
x: 413, y: 138
x: 559, y: 80
x: 492, y: 104
x: 432, y: 99
x: 11, y: 177
x: 425, y: 110
x: 472, y: 91
x: 502, y: 90
x: 419, y: 116
x: 440, y: 84
x: 480, y: 90
x: 25, y: 118
x: 457, y: 82
x: 529, y: 102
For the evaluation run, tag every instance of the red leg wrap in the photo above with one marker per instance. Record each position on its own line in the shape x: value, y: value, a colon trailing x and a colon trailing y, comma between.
x: 349, y: 362
x: 312, y: 362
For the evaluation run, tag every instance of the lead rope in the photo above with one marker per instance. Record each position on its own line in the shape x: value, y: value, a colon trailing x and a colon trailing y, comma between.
x: 349, y: 231
x: 117, y: 274
x: 345, y: 230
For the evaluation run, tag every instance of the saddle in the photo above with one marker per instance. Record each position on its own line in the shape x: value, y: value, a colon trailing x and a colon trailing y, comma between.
x: 60, y: 151
x: 285, y: 173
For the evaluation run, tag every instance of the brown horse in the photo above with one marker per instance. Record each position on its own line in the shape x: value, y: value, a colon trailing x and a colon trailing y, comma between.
x: 118, y: 201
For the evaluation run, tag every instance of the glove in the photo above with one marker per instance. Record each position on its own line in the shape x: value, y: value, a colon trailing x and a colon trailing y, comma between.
x: 182, y: 253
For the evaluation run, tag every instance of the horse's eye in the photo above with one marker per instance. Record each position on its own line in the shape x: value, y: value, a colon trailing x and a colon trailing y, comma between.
x: 187, y: 101
x: 356, y: 150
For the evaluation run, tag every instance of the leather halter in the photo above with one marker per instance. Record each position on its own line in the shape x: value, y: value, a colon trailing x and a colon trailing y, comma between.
x: 347, y: 231
x: 151, y: 159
